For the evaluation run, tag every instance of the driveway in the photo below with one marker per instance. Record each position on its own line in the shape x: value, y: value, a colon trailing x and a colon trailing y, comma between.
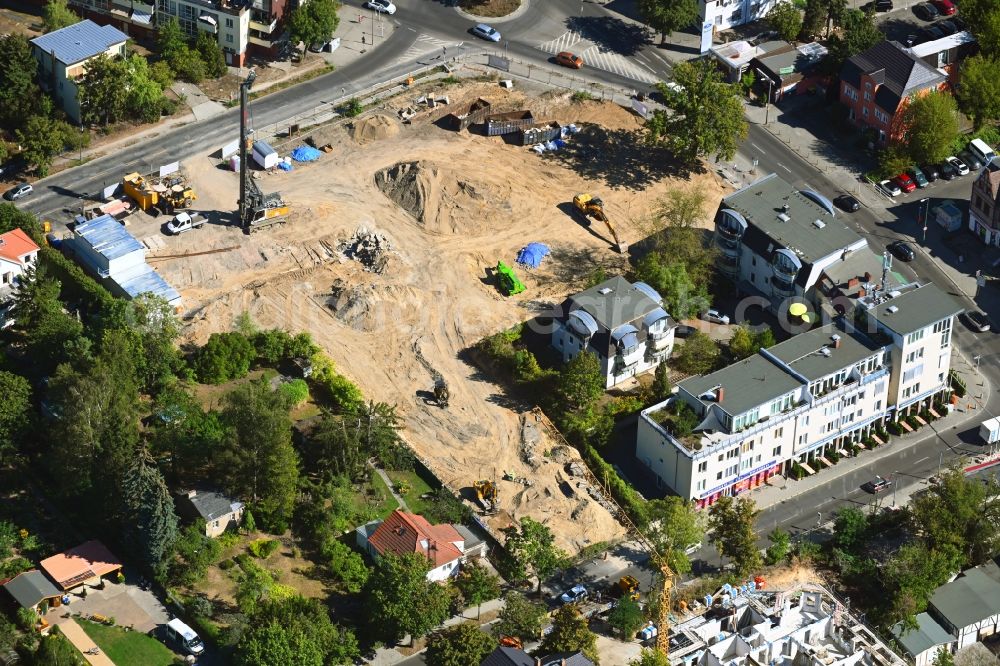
x: 79, y: 638
x: 127, y: 603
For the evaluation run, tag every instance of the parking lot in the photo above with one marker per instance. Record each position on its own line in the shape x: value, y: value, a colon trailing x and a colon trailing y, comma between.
x: 904, y: 25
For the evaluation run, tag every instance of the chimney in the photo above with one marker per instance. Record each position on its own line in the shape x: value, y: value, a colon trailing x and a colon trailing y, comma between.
x: 836, y: 341
x: 538, y: 661
x: 868, y: 276
x: 563, y: 662
x: 784, y: 208
x: 719, y: 394
x: 852, y: 283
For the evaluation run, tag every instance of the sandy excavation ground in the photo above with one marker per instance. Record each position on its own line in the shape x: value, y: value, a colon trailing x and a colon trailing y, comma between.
x: 459, y: 203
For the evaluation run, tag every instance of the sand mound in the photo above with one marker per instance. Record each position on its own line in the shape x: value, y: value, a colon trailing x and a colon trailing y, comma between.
x: 440, y: 200
x: 374, y: 128
x: 370, y: 307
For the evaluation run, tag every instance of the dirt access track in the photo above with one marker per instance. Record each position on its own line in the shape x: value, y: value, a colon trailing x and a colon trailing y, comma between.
x: 445, y: 206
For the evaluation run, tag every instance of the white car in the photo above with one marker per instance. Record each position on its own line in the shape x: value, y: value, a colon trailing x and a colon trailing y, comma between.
x: 486, y: 32
x: 577, y: 593
x: 958, y: 165
x: 889, y: 188
x: 715, y: 317
x: 381, y: 6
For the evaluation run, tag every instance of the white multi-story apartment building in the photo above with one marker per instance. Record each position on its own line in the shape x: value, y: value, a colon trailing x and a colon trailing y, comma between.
x: 726, y: 14
x: 624, y: 324
x: 776, y: 241
x: 802, y: 398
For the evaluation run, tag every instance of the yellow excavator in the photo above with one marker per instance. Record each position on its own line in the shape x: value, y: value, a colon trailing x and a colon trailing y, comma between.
x: 593, y: 207
x: 486, y: 493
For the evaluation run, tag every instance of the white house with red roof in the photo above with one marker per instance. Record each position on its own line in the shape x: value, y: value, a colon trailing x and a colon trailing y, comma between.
x: 17, y: 253
x: 444, y: 546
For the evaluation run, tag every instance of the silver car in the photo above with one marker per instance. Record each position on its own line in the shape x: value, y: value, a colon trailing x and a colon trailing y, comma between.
x: 18, y: 191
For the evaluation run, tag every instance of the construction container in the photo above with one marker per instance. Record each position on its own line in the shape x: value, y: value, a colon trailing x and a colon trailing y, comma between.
x: 989, y: 430
x: 265, y: 155
x: 505, y: 123
x: 540, y: 133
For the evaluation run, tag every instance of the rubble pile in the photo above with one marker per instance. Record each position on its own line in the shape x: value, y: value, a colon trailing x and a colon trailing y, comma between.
x: 368, y: 247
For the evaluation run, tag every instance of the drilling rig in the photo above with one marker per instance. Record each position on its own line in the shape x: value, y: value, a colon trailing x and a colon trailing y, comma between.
x: 257, y: 209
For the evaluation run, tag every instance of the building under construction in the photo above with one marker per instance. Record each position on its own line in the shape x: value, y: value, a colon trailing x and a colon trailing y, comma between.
x: 803, y: 626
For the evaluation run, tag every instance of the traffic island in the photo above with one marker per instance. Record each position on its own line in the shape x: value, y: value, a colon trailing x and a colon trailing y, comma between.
x: 490, y: 8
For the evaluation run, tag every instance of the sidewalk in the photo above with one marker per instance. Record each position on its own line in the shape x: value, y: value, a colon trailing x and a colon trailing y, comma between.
x: 82, y: 642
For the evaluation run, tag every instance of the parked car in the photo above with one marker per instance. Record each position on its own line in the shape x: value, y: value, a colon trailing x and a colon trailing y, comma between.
x: 976, y: 321
x: 18, y: 191
x: 877, y: 6
x: 889, y: 188
x: 381, y: 6
x: 971, y: 160
x: 959, y: 22
x: 573, y: 595
x: 715, y: 317
x: 961, y: 168
x: 905, y: 182
x: 947, y: 27
x: 684, y: 331
x: 486, y: 32
x: 926, y: 11
x: 848, y: 203
x: 911, y: 39
x: 918, y: 177
x: 567, y: 59
x: 876, y: 485
x: 931, y: 172
x: 944, y: 7
x: 185, y: 222
x: 184, y: 637
x: 902, y: 250
x: 948, y: 171
x: 931, y: 33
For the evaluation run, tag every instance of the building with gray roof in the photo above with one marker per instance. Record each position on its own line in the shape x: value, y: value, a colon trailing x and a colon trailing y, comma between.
x: 217, y: 510
x: 968, y: 607
x: 63, y: 54
x: 775, y: 240
x: 623, y: 324
x: 31, y: 588
x: 924, y: 642
x: 912, y: 308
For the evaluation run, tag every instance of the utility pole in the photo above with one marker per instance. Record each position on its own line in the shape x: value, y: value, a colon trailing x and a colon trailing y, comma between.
x: 895, y: 483
x: 923, y: 220
x: 767, y: 102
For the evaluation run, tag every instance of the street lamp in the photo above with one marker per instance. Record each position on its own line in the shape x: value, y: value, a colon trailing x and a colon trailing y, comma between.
x: 767, y: 103
x: 895, y: 482
x: 819, y: 519
x: 927, y: 202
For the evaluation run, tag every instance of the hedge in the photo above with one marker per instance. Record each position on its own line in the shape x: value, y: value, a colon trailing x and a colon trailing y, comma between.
x: 626, y: 496
x: 76, y: 284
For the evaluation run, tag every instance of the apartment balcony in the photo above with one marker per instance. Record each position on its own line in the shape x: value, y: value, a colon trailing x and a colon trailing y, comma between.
x: 729, y: 266
x: 658, y: 341
x: 781, y: 286
x: 207, y: 24
x: 266, y: 42
x: 263, y: 23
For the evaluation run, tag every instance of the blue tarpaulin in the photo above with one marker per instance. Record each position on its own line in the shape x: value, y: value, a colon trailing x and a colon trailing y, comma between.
x: 284, y: 166
x: 532, y: 254
x: 305, y: 154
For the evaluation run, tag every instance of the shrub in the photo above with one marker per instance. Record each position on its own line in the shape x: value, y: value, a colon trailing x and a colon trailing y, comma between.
x: 226, y: 565
x: 352, y: 108
x: 295, y: 392
x: 224, y: 357
x: 263, y: 548
x: 624, y: 494
x: 895, y: 428
x: 582, y: 96
x: 200, y: 606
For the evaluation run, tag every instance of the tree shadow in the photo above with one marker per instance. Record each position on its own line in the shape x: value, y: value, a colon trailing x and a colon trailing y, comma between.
x: 573, y: 266
x: 619, y: 158
x: 610, y: 34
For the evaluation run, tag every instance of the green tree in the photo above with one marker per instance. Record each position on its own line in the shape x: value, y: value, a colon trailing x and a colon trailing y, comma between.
x: 460, y: 645
x: 520, y: 618
x: 683, y: 296
x: 253, y: 584
x: 169, y: 38
x: 732, y: 522
x: 151, y: 522
x: 224, y: 357
x: 532, y: 545
x: 786, y: 19
x: 315, y: 21
x: 650, y: 658
x: 913, y: 574
x: 984, y: 22
x: 705, y: 114
x: 144, y: 92
x: 188, y: 65
x: 477, y: 585
x: 943, y: 658
x: 781, y: 545
x: 16, y: 392
x: 57, y: 15
x: 626, y: 618
x: 55, y: 650
x: 346, y: 565
x: 764, y: 338
x: 931, y: 126
x: 160, y: 72
x: 570, y: 633
x: 185, y: 435
x: 849, y: 528
x: 40, y: 320
x: 193, y: 554
x: 859, y: 32
x: 19, y: 92
x: 661, y: 382
x: 400, y: 600
x: 104, y: 90
x: 580, y: 382
x: 294, y: 630
x: 678, y: 232
x: 979, y: 94
x: 258, y: 461
x: 741, y: 345
x: 42, y: 137
x: 698, y: 355
x: 668, y: 16
x: 211, y: 54
x: 959, y: 512
x: 814, y: 17
x: 675, y: 527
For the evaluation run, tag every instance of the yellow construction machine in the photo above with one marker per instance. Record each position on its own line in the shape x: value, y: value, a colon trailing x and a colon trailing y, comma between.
x: 627, y: 587
x: 486, y: 493
x: 593, y: 207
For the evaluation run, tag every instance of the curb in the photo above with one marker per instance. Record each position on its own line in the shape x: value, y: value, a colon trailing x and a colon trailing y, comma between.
x: 517, y: 13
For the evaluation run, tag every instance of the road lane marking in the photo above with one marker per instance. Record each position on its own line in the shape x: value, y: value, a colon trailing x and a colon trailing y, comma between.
x: 758, y: 148
x: 784, y: 167
x: 921, y: 460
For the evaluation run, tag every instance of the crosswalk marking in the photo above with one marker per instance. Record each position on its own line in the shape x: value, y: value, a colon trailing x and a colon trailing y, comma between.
x: 597, y: 57
x: 423, y: 45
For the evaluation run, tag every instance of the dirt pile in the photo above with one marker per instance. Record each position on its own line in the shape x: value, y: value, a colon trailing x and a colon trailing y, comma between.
x: 374, y: 128
x: 370, y: 248
x: 441, y: 199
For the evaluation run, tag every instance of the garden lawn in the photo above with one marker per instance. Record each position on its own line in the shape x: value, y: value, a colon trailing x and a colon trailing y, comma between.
x: 385, y: 505
x: 416, y: 487
x: 128, y: 648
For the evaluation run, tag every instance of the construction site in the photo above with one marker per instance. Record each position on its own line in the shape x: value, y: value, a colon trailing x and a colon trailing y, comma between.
x: 389, y: 255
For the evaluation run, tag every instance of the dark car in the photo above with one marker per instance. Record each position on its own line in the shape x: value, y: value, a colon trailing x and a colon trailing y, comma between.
x: 877, y: 6
x: 976, y: 321
x: 684, y: 331
x: 948, y: 171
x: 931, y: 33
x: 919, y: 177
x: 848, y: 203
x: 926, y: 11
x: 930, y: 172
x: 973, y: 162
x: 959, y: 22
x: 876, y: 485
x: 911, y: 40
x: 947, y: 27
x: 902, y: 250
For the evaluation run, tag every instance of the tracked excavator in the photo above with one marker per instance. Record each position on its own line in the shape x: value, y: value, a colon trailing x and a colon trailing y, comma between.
x: 593, y: 207
x: 258, y: 210
x: 486, y: 493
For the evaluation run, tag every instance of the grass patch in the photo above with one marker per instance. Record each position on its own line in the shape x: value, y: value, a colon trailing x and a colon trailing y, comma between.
x: 413, y: 487
x: 383, y: 502
x: 128, y: 648
x: 490, y: 7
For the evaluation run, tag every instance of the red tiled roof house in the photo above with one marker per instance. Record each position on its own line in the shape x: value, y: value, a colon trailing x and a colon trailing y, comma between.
x: 17, y: 253
x: 876, y: 86
x: 444, y: 546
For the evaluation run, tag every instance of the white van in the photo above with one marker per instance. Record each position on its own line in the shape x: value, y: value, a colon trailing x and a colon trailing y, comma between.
x: 185, y: 637
x: 981, y: 149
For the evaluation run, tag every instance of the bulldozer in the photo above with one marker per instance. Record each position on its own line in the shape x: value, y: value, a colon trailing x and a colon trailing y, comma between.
x: 486, y: 493
x: 508, y: 281
x: 627, y: 587
x: 593, y: 207
x: 441, y: 391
